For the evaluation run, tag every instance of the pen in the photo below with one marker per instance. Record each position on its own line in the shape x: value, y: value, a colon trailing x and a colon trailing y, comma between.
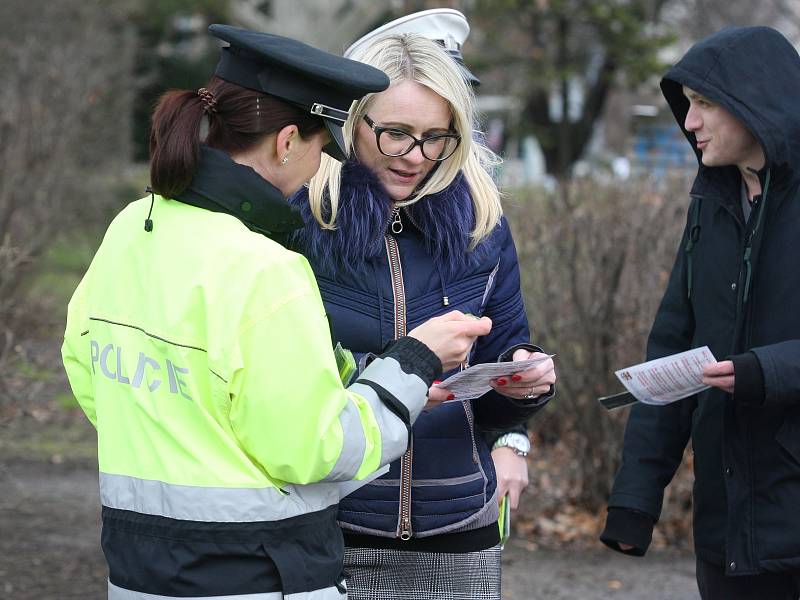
x: 465, y: 364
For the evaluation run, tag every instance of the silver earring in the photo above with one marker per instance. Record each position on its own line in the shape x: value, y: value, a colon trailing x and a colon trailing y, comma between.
x: 285, y: 159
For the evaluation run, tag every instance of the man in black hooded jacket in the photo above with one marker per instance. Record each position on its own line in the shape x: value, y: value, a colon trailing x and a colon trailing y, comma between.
x: 735, y: 287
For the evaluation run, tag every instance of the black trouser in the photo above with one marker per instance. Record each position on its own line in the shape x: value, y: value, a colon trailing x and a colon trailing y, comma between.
x: 715, y: 585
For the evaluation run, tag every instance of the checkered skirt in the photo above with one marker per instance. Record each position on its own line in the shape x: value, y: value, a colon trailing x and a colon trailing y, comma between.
x: 377, y: 574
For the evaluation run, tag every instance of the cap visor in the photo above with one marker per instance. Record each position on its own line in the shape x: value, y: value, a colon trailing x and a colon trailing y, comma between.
x: 335, y: 148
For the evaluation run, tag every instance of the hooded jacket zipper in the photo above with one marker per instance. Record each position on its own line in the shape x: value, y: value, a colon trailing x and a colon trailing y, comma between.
x: 744, y: 280
x: 398, y: 289
x: 396, y: 272
x: 741, y: 335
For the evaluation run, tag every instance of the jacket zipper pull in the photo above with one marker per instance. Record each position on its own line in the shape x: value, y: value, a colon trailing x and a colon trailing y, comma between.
x: 405, y: 529
x: 397, y: 223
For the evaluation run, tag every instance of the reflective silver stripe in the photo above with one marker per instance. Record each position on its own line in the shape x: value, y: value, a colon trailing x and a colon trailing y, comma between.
x: 118, y: 593
x: 228, y: 505
x: 431, y: 482
x: 329, y: 593
x: 353, y: 445
x: 394, y: 434
x: 408, y: 389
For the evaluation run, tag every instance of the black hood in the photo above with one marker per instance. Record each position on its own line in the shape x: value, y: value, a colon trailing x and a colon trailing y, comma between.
x: 753, y: 72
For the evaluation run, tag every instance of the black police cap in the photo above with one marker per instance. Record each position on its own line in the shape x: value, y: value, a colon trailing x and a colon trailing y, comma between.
x: 320, y: 82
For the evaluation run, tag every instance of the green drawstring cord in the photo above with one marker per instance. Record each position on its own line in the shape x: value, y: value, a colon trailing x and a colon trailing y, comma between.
x: 749, y: 248
x: 747, y: 251
x: 694, y: 236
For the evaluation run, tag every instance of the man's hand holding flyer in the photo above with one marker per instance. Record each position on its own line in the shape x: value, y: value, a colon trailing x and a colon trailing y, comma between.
x: 665, y: 380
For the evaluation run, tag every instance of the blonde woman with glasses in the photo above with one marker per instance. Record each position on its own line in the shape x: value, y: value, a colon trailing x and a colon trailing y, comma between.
x: 411, y: 227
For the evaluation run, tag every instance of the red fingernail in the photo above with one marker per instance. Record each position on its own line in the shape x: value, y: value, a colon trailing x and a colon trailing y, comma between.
x: 451, y: 397
x: 437, y: 381
x: 515, y: 378
x: 501, y: 382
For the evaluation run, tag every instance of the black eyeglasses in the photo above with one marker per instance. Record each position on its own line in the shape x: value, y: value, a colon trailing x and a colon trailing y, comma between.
x: 394, y: 142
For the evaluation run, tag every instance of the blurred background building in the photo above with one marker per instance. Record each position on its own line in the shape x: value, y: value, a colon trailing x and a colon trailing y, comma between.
x: 570, y: 87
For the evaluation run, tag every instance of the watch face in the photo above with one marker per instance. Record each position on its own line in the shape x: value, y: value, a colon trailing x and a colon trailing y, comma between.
x: 517, y: 442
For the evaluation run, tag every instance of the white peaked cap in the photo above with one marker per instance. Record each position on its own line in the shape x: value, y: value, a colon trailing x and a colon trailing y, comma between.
x: 445, y: 25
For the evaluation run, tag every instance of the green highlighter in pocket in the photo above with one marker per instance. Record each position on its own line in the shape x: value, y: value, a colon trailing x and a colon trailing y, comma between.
x: 504, y: 522
x: 345, y: 363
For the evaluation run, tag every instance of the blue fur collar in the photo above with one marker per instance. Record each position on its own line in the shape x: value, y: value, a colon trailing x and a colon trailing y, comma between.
x: 444, y: 221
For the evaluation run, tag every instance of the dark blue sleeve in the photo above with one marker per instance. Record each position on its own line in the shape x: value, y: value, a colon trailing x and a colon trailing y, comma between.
x: 505, y: 307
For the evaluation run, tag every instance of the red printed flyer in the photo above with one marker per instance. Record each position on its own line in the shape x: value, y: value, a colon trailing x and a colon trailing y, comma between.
x: 667, y: 379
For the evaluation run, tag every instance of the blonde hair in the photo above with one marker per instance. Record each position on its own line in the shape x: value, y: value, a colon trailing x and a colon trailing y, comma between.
x: 416, y: 58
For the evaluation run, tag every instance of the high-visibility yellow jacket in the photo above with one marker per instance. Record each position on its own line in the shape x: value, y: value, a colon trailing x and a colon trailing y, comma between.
x: 201, y: 353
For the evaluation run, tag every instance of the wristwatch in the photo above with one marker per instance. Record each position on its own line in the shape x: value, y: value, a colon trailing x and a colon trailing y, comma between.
x: 518, y: 442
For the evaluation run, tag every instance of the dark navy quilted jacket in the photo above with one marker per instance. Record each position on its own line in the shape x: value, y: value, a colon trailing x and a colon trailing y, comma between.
x: 453, y: 479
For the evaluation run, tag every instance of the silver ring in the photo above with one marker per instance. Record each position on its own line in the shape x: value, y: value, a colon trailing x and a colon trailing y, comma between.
x: 530, y: 396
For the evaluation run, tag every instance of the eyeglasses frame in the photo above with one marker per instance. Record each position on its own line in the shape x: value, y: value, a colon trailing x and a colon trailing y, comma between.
x: 377, y: 130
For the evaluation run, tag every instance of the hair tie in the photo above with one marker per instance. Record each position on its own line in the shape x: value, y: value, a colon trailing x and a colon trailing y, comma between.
x: 208, y: 99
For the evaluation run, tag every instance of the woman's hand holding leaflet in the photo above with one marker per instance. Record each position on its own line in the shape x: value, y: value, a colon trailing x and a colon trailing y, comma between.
x: 451, y: 336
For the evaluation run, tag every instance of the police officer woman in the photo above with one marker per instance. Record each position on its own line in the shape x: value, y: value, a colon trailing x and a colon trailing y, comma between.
x: 199, y: 348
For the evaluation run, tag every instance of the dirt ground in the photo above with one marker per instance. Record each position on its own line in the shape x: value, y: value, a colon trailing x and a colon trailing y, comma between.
x: 49, y: 533
x: 598, y: 574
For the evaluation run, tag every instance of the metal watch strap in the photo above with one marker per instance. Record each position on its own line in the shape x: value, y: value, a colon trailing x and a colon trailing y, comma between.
x: 518, y: 442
